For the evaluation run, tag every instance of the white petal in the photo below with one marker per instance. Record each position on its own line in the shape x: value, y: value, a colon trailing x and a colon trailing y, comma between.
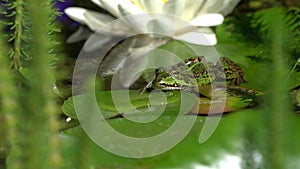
x: 192, y: 8
x: 208, y: 20
x: 224, y: 7
x: 112, y: 6
x: 205, y: 7
x: 77, y: 14
x: 228, y: 6
x: 206, y: 39
x: 130, y: 7
x: 138, y: 23
x: 154, y: 6
x: 97, y: 2
x: 92, y: 19
x: 95, y: 20
x: 174, y: 7
x: 161, y: 25
x: 82, y: 33
x: 97, y: 42
x: 116, y: 28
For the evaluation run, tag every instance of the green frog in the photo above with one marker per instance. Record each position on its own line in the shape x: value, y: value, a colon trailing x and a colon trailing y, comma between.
x: 195, y: 72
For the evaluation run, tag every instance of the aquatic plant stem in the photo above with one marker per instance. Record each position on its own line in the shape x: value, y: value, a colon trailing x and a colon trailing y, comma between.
x: 9, y: 109
x: 18, y: 32
x: 43, y: 124
x: 278, y: 104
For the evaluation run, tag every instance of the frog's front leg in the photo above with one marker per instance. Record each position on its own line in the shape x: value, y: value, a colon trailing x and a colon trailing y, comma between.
x: 148, y: 86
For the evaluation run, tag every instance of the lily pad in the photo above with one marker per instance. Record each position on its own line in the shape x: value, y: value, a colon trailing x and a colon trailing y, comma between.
x: 112, y: 103
x: 189, y: 152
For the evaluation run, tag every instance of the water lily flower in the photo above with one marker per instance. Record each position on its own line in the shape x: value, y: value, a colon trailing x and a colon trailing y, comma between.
x: 199, y: 13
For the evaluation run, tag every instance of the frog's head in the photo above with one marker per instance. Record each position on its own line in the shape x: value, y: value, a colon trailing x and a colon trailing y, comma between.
x: 172, y: 79
x: 163, y: 79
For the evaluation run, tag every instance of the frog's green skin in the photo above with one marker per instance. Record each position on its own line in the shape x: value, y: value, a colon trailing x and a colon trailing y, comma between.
x: 196, y: 75
x: 234, y: 74
x: 196, y: 72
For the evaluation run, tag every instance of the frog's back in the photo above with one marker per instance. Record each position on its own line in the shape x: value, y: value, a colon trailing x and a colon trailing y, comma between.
x: 195, y: 72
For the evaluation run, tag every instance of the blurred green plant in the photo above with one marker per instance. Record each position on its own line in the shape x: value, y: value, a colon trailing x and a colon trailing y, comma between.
x: 265, y: 44
x: 271, y: 42
x: 255, y: 30
x: 9, y: 106
x: 19, y: 23
x: 28, y: 106
x: 277, y: 107
x: 14, y: 11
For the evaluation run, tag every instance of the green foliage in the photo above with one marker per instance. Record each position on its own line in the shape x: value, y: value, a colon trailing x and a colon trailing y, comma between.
x: 269, y: 41
x: 255, y: 27
x: 8, y: 106
x: 293, y: 22
x: 275, y: 105
x: 29, y: 105
x: 14, y: 11
x: 265, y: 44
x: 53, y: 30
x: 19, y: 23
x: 255, y: 30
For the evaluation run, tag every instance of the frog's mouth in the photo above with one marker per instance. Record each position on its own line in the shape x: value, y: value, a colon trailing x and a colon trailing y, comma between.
x: 166, y: 87
x: 163, y: 87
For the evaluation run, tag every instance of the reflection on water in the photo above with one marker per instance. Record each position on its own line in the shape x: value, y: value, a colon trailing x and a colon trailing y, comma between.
x: 228, y: 161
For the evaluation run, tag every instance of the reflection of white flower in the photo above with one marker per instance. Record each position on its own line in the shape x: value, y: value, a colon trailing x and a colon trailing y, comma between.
x: 200, y: 13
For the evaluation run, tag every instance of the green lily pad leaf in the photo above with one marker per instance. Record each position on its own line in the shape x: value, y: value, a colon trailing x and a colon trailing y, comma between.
x: 68, y: 108
x: 112, y: 103
x: 189, y: 152
x: 237, y: 98
x: 212, y: 107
